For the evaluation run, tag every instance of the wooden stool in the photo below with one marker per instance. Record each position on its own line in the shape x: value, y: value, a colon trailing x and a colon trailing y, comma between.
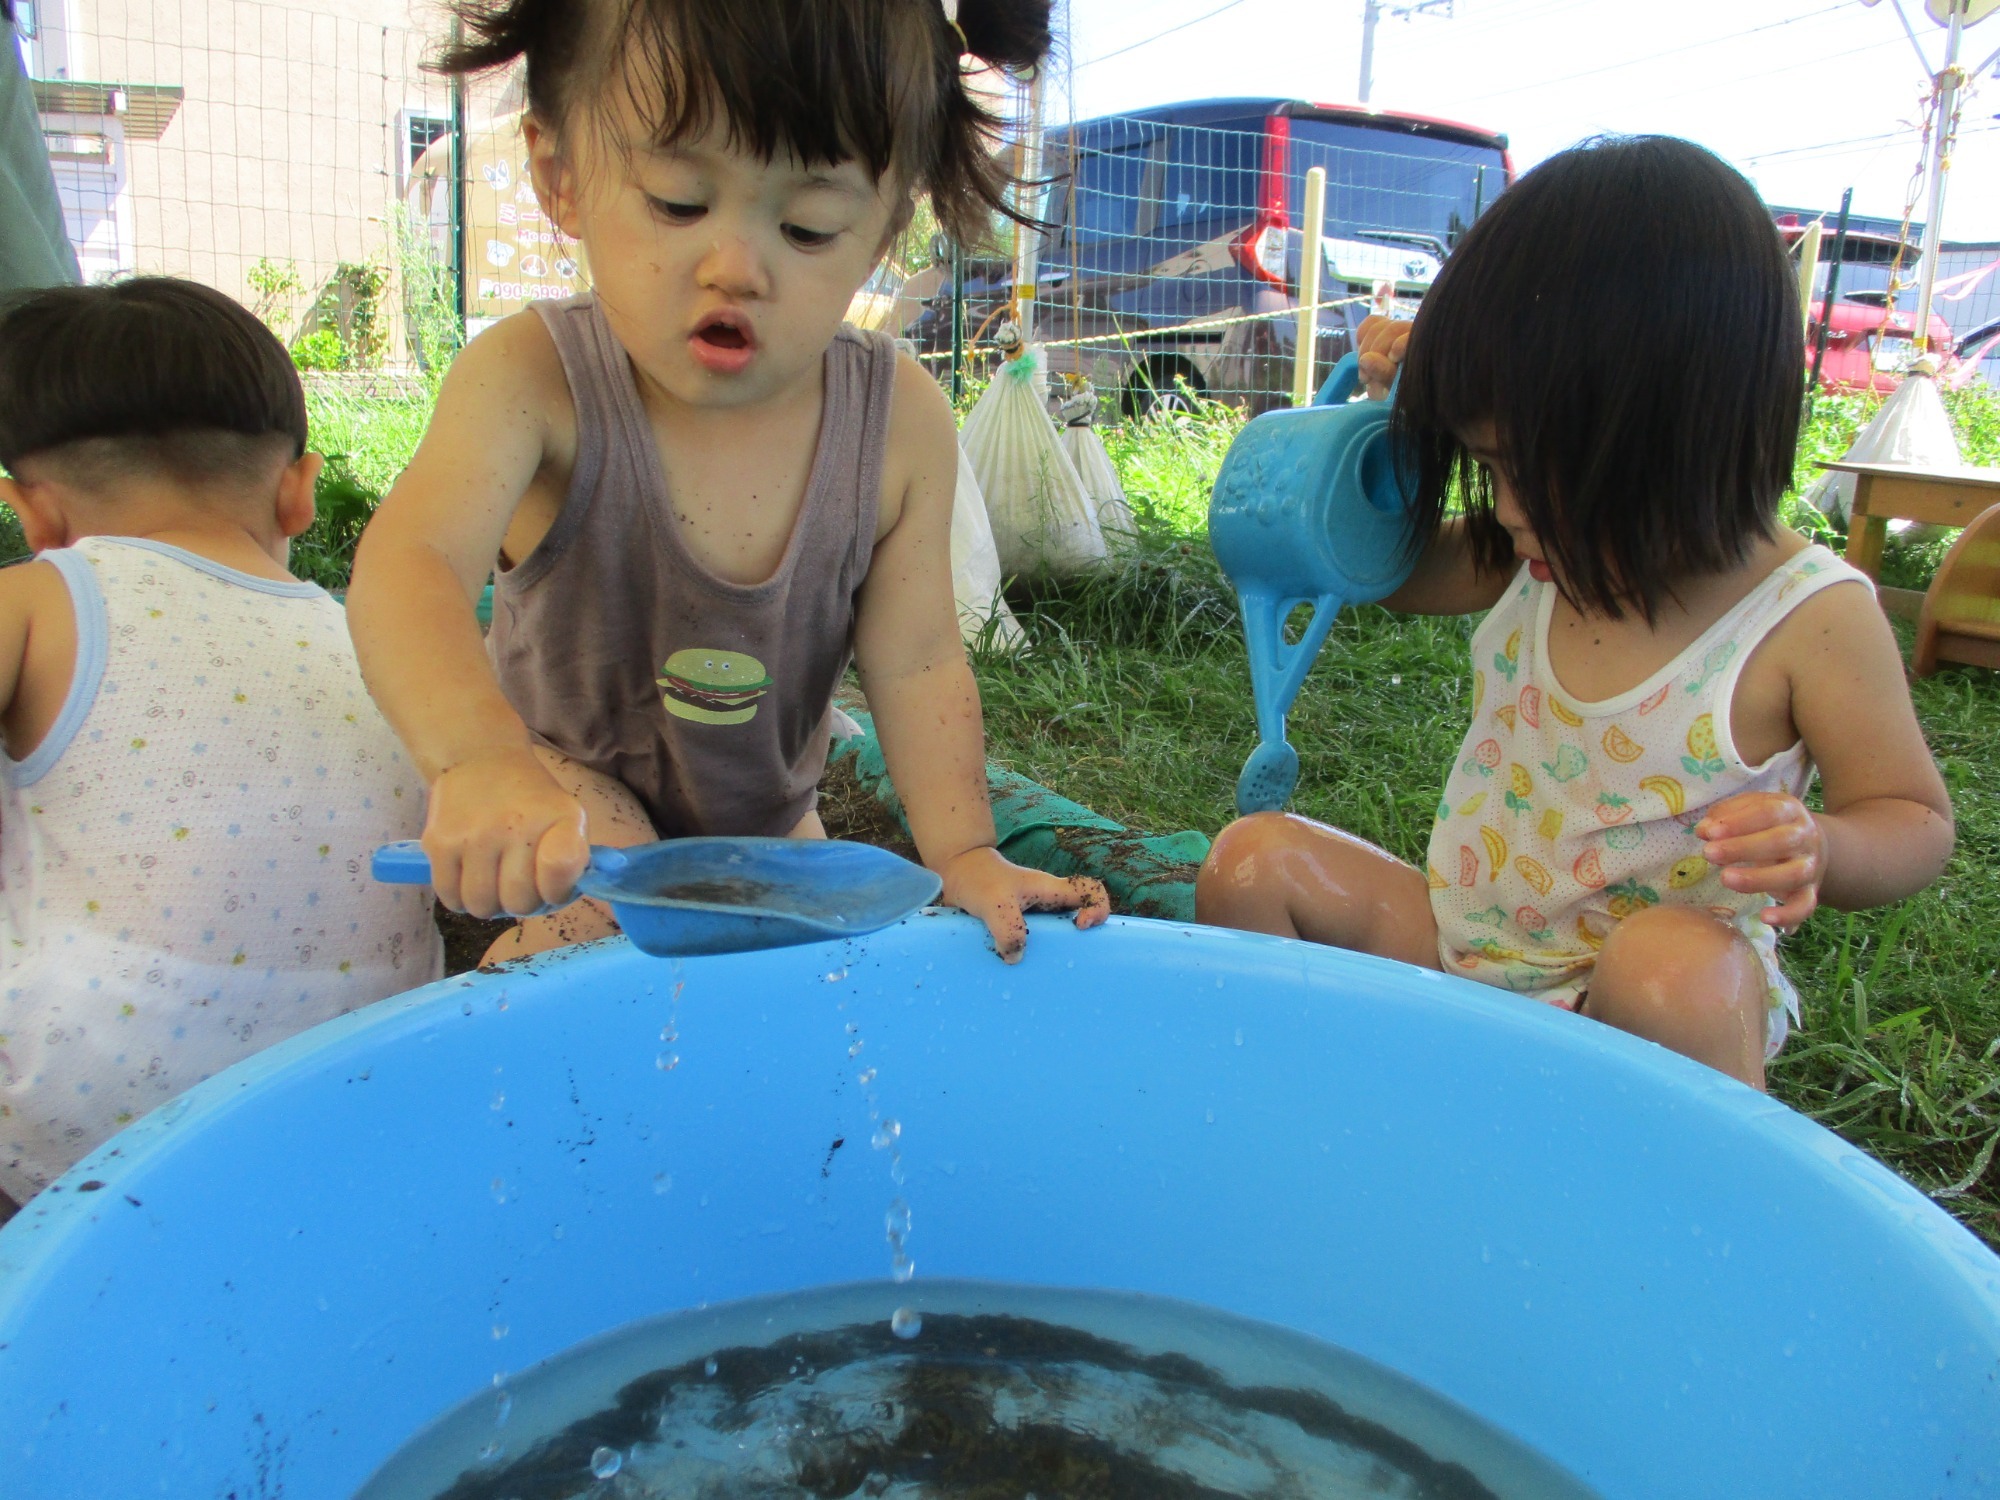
x: 1898, y: 492
x: 1961, y: 615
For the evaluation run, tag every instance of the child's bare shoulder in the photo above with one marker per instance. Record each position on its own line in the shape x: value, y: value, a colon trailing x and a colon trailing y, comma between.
x: 37, y: 645
x: 504, y: 412
x: 922, y: 450
x: 516, y: 356
x: 27, y: 588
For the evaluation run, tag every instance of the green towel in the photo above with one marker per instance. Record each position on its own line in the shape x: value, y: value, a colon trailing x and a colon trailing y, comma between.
x: 1147, y: 876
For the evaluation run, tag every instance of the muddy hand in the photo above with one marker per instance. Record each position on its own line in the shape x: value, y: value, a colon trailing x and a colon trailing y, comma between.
x: 985, y: 884
x: 503, y: 837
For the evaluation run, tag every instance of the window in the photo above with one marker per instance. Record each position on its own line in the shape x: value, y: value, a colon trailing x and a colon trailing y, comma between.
x: 1211, y: 171
x: 1379, y: 179
x: 1104, y: 203
x: 421, y: 130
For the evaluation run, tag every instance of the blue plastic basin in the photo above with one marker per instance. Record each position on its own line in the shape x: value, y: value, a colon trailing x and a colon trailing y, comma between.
x: 1665, y: 1282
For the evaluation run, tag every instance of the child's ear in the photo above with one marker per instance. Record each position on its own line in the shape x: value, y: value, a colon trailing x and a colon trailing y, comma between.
x: 296, y: 508
x: 44, y: 527
x: 554, y: 177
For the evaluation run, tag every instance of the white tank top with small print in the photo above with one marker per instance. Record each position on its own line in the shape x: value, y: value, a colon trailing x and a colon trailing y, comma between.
x: 1559, y: 818
x: 184, y: 860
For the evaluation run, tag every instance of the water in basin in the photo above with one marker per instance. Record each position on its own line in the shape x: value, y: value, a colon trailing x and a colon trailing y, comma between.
x: 966, y: 1390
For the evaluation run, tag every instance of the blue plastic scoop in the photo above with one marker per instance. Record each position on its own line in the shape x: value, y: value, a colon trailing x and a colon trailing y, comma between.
x: 731, y: 895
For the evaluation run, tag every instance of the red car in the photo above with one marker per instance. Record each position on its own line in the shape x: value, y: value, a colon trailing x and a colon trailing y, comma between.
x: 1866, y: 350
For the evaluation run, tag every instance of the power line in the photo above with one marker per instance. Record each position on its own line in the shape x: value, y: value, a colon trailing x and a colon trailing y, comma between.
x: 1859, y: 140
x: 1148, y: 41
x: 1862, y: 142
x: 1651, y: 57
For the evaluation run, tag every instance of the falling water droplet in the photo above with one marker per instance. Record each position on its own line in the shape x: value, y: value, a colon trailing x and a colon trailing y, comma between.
x: 1209, y: 1115
x: 1239, y: 1036
x: 668, y: 1034
x: 867, y: 1077
x: 709, y: 1369
x: 906, y: 1323
x: 663, y: 1182
x: 499, y: 1331
x: 901, y: 1267
x: 465, y: 1008
x: 886, y: 1134
x: 606, y: 1462
x: 855, y: 1050
x: 491, y: 1451
x: 834, y: 976
x: 852, y: 1028
x: 666, y: 1062
x: 503, y: 1406
x: 897, y: 1220
x: 1395, y: 679
x: 499, y: 1190
x: 499, y: 1102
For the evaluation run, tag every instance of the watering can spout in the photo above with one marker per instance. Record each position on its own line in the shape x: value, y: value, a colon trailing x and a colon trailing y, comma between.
x: 1311, y: 508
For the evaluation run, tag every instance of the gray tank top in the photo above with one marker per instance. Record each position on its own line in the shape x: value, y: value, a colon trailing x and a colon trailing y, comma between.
x: 711, y: 700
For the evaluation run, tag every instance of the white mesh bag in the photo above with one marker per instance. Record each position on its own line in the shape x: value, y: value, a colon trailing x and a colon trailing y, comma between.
x: 1094, y: 467
x: 975, y: 567
x: 1043, y: 521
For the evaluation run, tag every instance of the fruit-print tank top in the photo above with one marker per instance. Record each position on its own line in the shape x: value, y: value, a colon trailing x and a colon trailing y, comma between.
x: 710, y: 700
x: 1560, y: 818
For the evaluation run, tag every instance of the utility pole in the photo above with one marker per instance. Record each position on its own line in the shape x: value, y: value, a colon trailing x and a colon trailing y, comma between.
x: 1372, y: 12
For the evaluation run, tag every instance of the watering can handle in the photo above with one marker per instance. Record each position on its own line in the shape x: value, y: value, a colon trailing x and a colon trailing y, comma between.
x: 405, y: 863
x: 1344, y: 381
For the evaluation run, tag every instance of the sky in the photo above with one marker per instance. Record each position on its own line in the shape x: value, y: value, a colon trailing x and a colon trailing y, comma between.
x: 1806, y: 98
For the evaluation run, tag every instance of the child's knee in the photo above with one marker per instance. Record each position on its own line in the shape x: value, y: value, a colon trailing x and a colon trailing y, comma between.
x: 1235, y: 866
x: 1679, y: 959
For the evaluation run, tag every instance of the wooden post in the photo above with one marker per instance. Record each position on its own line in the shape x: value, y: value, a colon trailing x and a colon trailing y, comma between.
x: 1311, y: 254
x: 1808, y: 270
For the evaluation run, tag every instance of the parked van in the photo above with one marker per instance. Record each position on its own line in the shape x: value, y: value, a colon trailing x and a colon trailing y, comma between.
x: 1176, y: 226
x: 1867, y: 349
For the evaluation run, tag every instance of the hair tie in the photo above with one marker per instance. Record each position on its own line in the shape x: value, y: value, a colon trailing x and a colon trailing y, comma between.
x: 951, y: 20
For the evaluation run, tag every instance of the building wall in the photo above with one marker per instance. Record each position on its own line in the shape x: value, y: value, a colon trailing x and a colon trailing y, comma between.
x: 290, y: 144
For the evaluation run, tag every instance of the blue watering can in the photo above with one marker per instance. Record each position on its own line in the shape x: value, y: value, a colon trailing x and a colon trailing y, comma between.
x: 1308, y: 509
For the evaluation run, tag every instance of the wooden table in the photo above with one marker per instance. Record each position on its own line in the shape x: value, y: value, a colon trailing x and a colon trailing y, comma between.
x: 1898, y: 492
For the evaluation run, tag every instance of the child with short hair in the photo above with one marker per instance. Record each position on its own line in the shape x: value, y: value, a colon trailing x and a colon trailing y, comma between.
x: 194, y: 776
x: 1609, y: 372
x: 702, y: 493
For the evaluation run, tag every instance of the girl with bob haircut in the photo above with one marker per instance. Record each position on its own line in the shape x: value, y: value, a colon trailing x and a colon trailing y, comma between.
x: 701, y: 493
x: 1607, y: 376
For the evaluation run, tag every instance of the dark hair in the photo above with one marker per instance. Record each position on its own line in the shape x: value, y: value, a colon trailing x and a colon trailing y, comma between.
x: 147, y: 373
x: 871, y: 81
x: 1628, y: 319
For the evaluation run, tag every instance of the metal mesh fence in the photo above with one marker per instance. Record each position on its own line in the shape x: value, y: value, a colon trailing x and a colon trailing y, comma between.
x: 304, y: 161
x: 1170, y: 269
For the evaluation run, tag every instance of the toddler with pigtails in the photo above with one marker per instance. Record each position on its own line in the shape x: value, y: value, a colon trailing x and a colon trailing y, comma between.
x: 700, y: 492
